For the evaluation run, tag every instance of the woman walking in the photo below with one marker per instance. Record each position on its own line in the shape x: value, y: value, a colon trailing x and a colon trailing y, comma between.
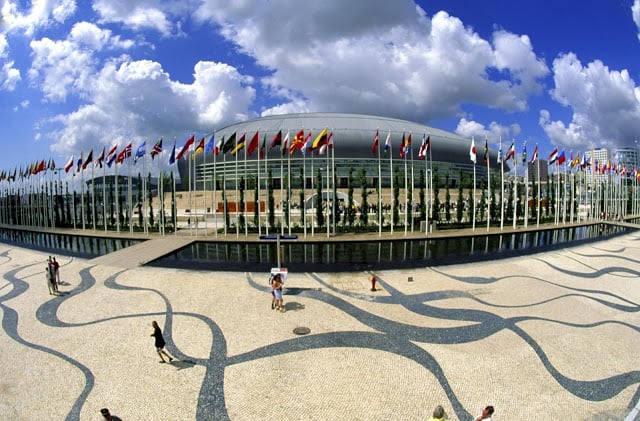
x: 157, y: 333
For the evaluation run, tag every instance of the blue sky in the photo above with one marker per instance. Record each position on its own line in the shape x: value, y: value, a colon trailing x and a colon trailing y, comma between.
x: 76, y: 76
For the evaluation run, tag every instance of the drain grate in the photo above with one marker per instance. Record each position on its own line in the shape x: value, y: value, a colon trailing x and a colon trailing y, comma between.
x: 301, y: 330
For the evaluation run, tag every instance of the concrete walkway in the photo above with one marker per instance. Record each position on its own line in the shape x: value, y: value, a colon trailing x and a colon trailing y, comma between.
x: 547, y: 336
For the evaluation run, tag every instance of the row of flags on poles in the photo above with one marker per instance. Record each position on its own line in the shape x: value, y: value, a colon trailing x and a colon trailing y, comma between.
x: 302, y: 142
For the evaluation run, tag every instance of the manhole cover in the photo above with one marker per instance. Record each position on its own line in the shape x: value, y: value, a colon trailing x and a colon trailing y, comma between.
x: 301, y: 330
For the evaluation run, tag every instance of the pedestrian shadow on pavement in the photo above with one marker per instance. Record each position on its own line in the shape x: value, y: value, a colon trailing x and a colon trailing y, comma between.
x: 181, y: 365
x: 293, y: 306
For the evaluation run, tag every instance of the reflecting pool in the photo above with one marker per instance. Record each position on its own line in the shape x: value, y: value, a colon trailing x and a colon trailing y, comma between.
x: 86, y: 247
x: 380, y: 254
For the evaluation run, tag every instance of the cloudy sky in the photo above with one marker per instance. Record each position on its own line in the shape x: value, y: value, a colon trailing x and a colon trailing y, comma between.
x: 82, y: 75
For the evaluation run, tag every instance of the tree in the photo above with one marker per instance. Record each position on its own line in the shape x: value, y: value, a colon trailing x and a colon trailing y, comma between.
x: 139, y: 200
x: 447, y: 199
x: 150, y: 199
x: 396, y: 194
x: 460, y: 202
x: 256, y: 202
x: 303, y: 214
x: 241, y: 219
x: 364, y: 208
x: 436, y: 196
x: 319, y: 213
x: 271, y: 216
x: 349, y: 210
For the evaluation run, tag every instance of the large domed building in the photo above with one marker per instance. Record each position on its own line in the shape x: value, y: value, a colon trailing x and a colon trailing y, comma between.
x: 352, y: 139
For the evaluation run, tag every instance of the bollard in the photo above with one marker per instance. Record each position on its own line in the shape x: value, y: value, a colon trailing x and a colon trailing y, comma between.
x: 373, y: 283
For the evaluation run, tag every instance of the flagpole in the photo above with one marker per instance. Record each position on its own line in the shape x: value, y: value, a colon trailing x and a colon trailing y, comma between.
x: 526, y: 189
x: 406, y: 187
x: 391, y: 177
x: 488, y: 189
x: 93, y: 198
x: 473, y: 199
x: 259, y: 186
x: 204, y: 187
x: 413, y: 190
x: 556, y: 215
x: 564, y: 197
x: 329, y: 210
x: 237, y: 202
x: 246, y: 183
x: 130, y: 196
x: 288, y: 192
x: 82, y: 195
x: 501, y: 186
x: 379, y: 188
x: 538, y: 204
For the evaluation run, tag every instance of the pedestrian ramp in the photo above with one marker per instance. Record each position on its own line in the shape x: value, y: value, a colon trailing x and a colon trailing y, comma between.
x: 143, y: 252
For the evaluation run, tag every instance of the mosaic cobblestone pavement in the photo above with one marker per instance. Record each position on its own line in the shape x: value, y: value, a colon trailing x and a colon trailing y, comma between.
x: 547, y: 336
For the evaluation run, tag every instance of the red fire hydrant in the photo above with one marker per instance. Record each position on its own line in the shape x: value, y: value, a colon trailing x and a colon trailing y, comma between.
x: 373, y: 283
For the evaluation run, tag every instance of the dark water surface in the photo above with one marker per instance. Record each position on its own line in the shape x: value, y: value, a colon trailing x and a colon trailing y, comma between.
x: 381, y: 254
x: 68, y: 245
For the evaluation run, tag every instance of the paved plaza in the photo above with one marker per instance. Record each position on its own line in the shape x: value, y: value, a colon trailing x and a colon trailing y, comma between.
x: 550, y: 336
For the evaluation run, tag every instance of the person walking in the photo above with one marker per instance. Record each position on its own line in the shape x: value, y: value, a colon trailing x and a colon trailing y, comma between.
x: 106, y: 415
x: 159, y: 343
x: 56, y: 270
x: 50, y: 281
x: 486, y: 414
x: 439, y: 414
x: 277, y: 290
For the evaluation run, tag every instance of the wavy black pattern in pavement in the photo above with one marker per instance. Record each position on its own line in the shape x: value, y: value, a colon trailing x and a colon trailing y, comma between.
x: 10, y: 326
x: 396, y: 337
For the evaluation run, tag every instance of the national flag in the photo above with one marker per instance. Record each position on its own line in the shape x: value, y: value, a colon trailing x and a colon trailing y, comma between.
x: 229, y: 143
x: 199, y: 148
x: 524, y: 153
x: 297, y: 142
x: 41, y: 166
x: 111, y: 156
x: 172, y: 157
x: 239, y: 144
x: 575, y: 161
x: 387, y: 142
x: 402, y: 145
x: 218, y: 147
x: 253, y: 143
x: 100, y: 159
x: 472, y: 151
x: 407, y: 145
x: 374, y: 147
x: 422, y: 153
x: 328, y: 144
x: 512, y: 151
x: 534, y: 157
x: 79, y: 163
x: 277, y: 140
x: 88, y: 160
x: 69, y: 165
x: 285, y: 143
x: 51, y: 165
x: 499, y: 159
x: 486, y: 150
x: 553, y: 157
x: 141, y: 151
x: 263, y: 148
x: 210, y: 145
x: 157, y: 149
x: 320, y: 140
x: 306, y: 145
x: 124, y: 153
x: 186, y: 146
x: 561, y: 158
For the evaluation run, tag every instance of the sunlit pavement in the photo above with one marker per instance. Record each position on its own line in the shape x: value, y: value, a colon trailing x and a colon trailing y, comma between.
x: 548, y: 336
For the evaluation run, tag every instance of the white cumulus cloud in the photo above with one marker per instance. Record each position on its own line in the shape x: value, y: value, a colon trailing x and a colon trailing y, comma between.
x: 605, y: 105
